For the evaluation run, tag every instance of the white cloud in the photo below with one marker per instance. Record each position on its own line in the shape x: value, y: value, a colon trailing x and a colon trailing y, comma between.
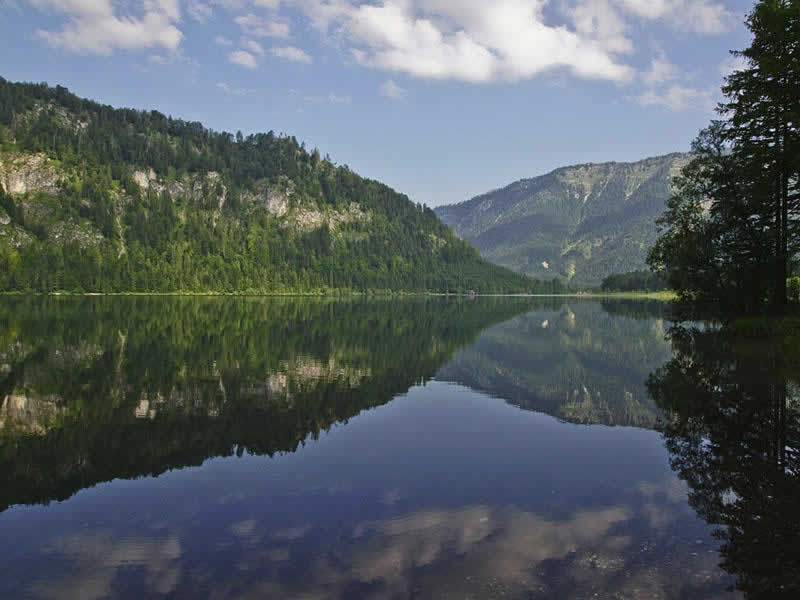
x: 391, y: 90
x: 243, y: 59
x: 100, y: 26
x: 484, y: 41
x: 292, y: 53
x: 470, y: 40
x: 334, y: 99
x: 665, y: 87
x: 156, y: 59
x: 661, y: 70
x: 253, y: 46
x: 256, y: 26
x: 697, y: 16
x: 676, y: 98
x: 599, y: 20
x: 231, y: 90
x: 223, y: 41
x: 199, y: 11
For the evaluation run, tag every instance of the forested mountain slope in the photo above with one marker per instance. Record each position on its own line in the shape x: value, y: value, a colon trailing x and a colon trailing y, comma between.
x: 94, y: 198
x: 579, y: 223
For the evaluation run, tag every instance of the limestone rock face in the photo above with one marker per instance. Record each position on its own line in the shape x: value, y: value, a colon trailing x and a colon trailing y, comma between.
x: 26, y: 412
x: 27, y: 173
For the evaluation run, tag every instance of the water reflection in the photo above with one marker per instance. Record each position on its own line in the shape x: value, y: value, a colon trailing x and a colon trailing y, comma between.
x: 583, y: 362
x: 96, y: 559
x: 287, y: 528
x: 151, y: 421
x: 98, y: 388
x: 734, y: 436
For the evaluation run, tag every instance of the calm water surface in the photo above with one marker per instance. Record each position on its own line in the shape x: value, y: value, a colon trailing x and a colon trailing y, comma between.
x: 424, y: 448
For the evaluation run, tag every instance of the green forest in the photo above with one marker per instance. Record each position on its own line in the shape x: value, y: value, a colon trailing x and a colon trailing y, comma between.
x: 634, y: 281
x: 101, y: 199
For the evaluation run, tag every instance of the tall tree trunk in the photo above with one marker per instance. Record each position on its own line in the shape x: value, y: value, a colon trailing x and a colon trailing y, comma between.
x: 779, y: 268
x: 784, y: 256
x: 779, y: 288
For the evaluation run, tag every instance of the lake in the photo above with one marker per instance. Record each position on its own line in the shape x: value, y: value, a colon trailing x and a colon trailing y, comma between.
x: 390, y: 448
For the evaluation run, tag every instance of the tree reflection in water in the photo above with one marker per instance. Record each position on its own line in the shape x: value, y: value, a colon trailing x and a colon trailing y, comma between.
x: 733, y: 432
x: 94, y: 389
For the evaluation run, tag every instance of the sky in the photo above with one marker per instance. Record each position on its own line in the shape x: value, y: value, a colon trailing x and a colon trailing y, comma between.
x: 441, y: 99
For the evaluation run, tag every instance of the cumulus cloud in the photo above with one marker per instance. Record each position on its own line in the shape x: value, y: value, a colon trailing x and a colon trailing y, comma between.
x: 601, y: 21
x: 223, y: 41
x: 666, y: 86
x: 256, y: 26
x: 474, y: 41
x: 466, y: 40
x: 199, y: 11
x: 677, y: 97
x: 101, y: 26
x: 479, y: 41
x: 243, y: 59
x: 292, y: 53
x: 253, y: 46
x: 391, y: 90
x: 660, y: 71
x: 698, y: 16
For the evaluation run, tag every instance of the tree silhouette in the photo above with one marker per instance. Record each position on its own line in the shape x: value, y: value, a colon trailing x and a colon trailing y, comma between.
x: 733, y: 433
x: 731, y: 229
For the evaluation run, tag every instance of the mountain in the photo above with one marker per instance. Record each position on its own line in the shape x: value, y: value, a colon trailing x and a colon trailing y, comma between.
x: 579, y: 223
x: 580, y: 361
x: 152, y: 383
x: 95, y: 198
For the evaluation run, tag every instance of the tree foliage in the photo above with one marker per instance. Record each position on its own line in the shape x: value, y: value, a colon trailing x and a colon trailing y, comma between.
x: 731, y: 230
x: 635, y: 281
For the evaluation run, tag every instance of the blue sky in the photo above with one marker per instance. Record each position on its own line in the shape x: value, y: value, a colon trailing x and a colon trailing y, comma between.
x: 441, y: 99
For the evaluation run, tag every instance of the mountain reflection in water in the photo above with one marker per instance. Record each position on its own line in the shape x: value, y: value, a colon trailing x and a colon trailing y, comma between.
x: 217, y: 447
x: 99, y: 388
x: 582, y: 362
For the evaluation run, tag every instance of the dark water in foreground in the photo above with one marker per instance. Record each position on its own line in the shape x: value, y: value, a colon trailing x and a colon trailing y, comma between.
x: 423, y: 448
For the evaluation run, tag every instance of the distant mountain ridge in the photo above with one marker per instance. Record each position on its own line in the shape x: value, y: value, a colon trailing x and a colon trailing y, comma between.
x: 579, y: 223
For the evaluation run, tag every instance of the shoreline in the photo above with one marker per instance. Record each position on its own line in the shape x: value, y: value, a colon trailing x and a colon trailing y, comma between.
x: 663, y: 296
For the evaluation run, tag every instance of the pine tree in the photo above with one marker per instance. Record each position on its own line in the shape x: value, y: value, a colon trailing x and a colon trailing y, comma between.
x: 731, y: 230
x: 763, y: 111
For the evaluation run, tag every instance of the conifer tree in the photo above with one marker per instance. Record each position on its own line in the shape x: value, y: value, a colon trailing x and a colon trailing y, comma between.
x: 731, y: 230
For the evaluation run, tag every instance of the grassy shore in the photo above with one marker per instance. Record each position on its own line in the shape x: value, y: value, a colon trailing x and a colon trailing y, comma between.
x: 665, y: 296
